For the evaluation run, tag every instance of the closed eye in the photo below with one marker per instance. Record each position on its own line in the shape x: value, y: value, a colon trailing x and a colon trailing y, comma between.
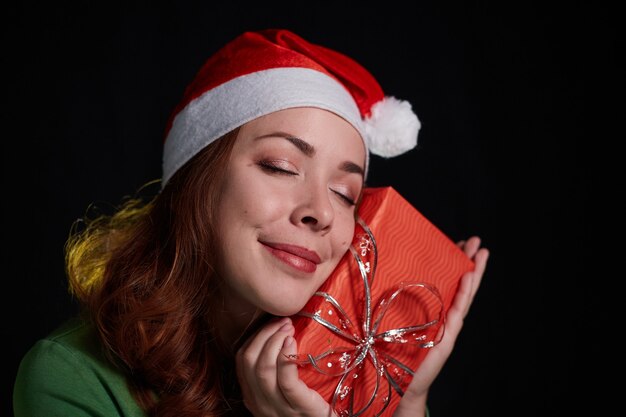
x: 268, y: 166
x: 345, y: 198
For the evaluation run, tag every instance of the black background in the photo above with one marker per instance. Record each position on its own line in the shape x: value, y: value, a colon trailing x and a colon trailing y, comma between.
x: 504, y: 153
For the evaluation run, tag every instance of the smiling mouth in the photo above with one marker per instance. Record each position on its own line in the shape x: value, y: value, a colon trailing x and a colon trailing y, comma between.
x: 297, y: 257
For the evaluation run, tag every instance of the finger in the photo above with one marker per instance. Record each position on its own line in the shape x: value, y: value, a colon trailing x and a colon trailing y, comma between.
x: 480, y: 263
x: 295, y: 391
x: 467, y: 291
x: 287, y: 373
x: 471, y: 246
x: 460, y: 243
x: 253, y: 346
x: 265, y: 370
x: 437, y: 356
x: 460, y: 304
x: 463, y: 301
x: 247, y: 357
x: 293, y: 388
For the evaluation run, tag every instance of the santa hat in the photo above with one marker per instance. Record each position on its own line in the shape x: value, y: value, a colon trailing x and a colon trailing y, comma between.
x: 258, y: 73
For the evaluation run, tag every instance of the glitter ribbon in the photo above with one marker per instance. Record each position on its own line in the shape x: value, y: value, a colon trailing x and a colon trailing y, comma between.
x: 367, y: 343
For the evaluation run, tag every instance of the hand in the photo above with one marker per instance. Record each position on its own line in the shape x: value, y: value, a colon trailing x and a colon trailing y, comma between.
x: 413, y: 402
x: 269, y: 381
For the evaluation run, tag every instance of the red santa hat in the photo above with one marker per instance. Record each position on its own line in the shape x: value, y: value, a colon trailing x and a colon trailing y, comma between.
x: 260, y: 72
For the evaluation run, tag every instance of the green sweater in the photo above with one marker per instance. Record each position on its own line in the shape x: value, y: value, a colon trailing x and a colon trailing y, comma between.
x: 66, y: 374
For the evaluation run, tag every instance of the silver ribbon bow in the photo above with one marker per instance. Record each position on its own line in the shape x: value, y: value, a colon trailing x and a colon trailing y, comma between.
x: 367, y: 341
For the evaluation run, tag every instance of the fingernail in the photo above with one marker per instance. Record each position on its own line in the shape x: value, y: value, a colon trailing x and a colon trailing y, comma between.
x: 286, y: 327
x: 288, y: 341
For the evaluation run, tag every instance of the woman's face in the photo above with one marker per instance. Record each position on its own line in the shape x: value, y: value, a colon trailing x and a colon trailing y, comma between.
x: 286, y: 214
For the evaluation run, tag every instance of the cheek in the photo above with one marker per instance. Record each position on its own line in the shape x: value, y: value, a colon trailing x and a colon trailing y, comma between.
x: 250, y: 200
x: 344, y: 234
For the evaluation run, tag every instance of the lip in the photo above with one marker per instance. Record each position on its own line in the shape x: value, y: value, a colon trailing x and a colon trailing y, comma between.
x: 295, y: 256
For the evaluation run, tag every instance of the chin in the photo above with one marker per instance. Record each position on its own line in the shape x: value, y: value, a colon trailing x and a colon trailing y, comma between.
x: 285, y: 309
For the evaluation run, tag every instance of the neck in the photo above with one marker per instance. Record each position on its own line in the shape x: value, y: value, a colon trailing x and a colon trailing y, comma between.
x: 237, y: 319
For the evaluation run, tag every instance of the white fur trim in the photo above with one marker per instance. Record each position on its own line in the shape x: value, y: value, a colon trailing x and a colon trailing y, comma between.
x: 392, y: 128
x: 230, y: 105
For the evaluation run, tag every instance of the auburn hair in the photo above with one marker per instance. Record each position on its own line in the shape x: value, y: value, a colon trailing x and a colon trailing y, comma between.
x: 145, y: 275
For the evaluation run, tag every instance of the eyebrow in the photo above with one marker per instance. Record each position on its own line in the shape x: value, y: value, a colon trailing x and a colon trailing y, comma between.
x: 309, y: 150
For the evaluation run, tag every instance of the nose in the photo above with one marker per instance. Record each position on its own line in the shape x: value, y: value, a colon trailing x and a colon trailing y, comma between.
x: 314, y: 208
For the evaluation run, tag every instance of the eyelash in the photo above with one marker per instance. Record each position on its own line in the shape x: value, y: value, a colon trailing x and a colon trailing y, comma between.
x: 349, y: 201
x: 267, y: 166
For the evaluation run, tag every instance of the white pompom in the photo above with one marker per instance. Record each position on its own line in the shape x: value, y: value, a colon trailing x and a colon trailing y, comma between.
x: 392, y: 128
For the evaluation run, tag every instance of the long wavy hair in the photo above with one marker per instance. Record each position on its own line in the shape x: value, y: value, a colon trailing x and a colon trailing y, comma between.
x: 146, y: 277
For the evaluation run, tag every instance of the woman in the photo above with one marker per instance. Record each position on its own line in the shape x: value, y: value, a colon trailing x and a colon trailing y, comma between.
x: 186, y: 297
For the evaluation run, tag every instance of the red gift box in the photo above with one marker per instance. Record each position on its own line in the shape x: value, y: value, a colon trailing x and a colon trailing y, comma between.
x: 369, y: 326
